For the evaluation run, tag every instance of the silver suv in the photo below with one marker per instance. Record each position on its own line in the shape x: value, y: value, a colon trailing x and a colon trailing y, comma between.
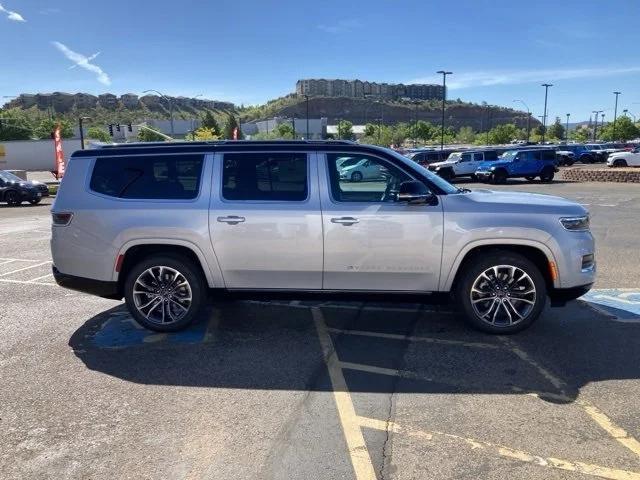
x: 163, y: 224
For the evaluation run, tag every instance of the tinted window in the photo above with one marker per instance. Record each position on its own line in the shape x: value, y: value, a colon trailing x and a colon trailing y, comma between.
x: 148, y: 176
x: 466, y: 157
x: 265, y: 176
x: 490, y: 155
x: 534, y: 155
x: 368, y: 180
x: 549, y: 155
x: 477, y: 157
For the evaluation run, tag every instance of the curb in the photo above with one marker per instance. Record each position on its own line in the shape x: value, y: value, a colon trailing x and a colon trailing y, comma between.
x: 619, y: 175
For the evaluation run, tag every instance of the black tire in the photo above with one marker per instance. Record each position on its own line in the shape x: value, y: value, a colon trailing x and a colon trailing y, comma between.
x: 191, y: 274
x: 569, y: 162
x: 12, y: 198
x: 356, y: 177
x: 531, y: 179
x: 446, y: 173
x: 35, y: 201
x: 499, y: 177
x: 587, y: 159
x: 474, y: 177
x: 547, y: 175
x: 619, y: 163
x: 505, y: 298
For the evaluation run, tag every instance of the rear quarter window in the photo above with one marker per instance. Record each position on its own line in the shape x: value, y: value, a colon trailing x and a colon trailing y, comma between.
x: 161, y: 177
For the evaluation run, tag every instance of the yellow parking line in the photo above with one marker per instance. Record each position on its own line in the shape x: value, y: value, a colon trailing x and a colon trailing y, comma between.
x: 394, y: 336
x: 507, y: 452
x: 358, y: 452
x: 597, y: 415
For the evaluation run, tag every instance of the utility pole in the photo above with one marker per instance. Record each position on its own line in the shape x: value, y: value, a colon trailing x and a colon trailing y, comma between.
x: 444, y: 74
x: 82, y: 130
x: 307, y: 99
x: 170, y: 107
x: 566, y: 130
x: 544, y: 118
x: 615, y: 115
x: 595, y: 125
x: 293, y: 126
x: 528, y: 119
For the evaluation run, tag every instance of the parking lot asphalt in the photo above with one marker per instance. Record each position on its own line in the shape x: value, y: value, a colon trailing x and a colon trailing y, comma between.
x: 309, y: 390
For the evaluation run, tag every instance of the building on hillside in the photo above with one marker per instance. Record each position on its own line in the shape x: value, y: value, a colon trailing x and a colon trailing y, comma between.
x: 359, y: 89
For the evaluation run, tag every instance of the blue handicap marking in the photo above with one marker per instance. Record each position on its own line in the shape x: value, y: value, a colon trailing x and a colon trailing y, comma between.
x: 120, y: 330
x: 623, y: 304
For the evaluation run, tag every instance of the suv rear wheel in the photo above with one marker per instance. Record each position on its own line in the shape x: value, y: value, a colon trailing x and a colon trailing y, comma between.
x: 547, y: 174
x: 619, y: 163
x: 501, y: 292
x: 164, y: 293
x: 498, y: 177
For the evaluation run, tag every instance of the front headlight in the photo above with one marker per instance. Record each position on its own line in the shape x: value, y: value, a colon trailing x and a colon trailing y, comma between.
x: 492, y: 168
x: 580, y: 223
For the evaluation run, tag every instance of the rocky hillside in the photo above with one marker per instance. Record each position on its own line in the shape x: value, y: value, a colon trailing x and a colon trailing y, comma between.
x: 360, y: 111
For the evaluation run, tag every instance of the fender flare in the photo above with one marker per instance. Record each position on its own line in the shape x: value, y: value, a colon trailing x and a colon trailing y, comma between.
x: 487, y: 242
x: 211, y: 268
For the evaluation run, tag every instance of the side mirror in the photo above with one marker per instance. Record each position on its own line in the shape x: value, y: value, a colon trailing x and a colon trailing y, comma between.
x: 414, y: 193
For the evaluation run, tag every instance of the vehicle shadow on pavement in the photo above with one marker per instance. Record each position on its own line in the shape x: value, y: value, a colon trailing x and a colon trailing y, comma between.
x: 270, y: 345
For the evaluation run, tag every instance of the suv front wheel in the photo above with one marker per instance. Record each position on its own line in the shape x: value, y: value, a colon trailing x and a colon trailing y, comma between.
x: 164, y: 293
x: 501, y: 292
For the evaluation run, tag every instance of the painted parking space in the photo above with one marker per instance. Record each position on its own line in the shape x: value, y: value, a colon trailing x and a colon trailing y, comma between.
x: 619, y: 304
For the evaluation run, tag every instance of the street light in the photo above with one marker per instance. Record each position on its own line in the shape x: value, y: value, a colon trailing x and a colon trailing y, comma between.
x: 566, y: 130
x: 170, y: 106
x: 544, y: 119
x: 444, y: 74
x: 82, y: 130
x: 528, y: 117
x: 595, y: 125
x: 615, y: 115
x: 627, y: 112
x: 307, y: 100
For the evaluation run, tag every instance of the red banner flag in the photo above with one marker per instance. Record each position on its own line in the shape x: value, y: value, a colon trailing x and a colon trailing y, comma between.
x: 235, y: 133
x: 57, y: 142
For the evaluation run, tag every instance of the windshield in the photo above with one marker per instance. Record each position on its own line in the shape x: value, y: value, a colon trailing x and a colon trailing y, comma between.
x: 508, y: 156
x: 442, y: 184
x: 9, y: 177
x: 455, y: 156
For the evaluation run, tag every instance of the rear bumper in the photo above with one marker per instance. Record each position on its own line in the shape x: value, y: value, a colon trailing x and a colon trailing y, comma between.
x: 87, y: 285
x: 560, y: 296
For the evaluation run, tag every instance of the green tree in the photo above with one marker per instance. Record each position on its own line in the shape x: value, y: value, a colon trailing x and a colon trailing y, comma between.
x: 210, y: 122
x: 14, y: 125
x: 146, y: 135
x: 369, y: 130
x: 556, y: 130
x: 345, y: 130
x: 230, y: 125
x: 582, y: 134
x: 625, y: 130
x: 97, y: 133
x: 203, y: 134
x: 466, y: 135
x: 500, y: 134
x: 284, y: 130
x: 46, y: 126
x: 424, y: 130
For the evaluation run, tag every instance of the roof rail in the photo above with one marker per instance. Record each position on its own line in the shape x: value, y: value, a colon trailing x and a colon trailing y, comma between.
x: 225, y: 142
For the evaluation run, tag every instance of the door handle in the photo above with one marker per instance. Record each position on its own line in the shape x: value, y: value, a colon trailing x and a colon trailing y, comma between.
x: 345, y: 220
x: 231, y: 219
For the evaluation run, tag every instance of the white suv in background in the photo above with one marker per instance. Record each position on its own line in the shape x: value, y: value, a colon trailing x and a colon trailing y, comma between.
x: 624, y: 159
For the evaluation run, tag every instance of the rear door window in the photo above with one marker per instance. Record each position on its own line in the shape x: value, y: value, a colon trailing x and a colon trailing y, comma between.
x: 263, y: 176
x: 548, y: 155
x: 161, y: 177
x: 477, y: 157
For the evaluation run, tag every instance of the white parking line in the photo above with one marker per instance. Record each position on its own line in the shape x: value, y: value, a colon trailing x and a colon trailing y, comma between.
x: 40, y: 278
x: 25, y: 282
x: 24, y: 268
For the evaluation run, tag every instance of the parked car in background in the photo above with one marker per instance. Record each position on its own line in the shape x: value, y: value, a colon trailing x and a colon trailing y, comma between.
x: 162, y: 225
x: 624, y: 159
x: 463, y: 164
x: 427, y: 157
x: 357, y: 169
x: 565, y: 156
x: 14, y: 190
x: 581, y: 153
x: 531, y: 163
x: 598, y: 151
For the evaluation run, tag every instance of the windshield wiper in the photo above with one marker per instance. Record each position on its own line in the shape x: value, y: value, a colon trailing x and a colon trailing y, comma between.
x: 464, y: 190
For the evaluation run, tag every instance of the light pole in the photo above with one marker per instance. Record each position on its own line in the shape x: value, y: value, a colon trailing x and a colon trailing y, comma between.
x: 627, y: 112
x: 82, y: 130
x: 544, y: 119
x: 615, y: 115
x: 170, y: 107
x: 528, y: 118
x: 566, y: 130
x: 444, y: 74
x: 595, y: 125
x: 306, y: 97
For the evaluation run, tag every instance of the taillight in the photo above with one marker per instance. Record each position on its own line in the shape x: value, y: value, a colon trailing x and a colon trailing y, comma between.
x: 61, y: 219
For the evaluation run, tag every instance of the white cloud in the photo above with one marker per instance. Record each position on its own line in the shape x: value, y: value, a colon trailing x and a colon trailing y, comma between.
x: 15, y: 16
x: 81, y: 61
x: 341, y: 26
x: 487, y: 79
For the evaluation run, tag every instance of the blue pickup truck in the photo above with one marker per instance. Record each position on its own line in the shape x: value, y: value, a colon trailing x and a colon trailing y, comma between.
x: 530, y: 163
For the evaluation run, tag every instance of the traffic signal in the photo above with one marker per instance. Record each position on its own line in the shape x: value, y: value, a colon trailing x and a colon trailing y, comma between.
x: 129, y: 127
x: 118, y: 127
x: 111, y: 129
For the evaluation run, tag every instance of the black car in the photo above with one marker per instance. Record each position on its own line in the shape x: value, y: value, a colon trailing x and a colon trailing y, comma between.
x: 14, y: 190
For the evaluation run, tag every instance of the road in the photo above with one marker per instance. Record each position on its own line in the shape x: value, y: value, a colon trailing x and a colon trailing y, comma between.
x: 335, y: 390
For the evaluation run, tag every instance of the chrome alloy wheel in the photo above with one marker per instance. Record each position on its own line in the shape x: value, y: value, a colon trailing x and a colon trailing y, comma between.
x: 503, y: 295
x: 162, y: 295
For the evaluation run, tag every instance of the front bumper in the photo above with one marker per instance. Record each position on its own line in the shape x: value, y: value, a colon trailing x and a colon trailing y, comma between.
x: 87, y: 285
x: 560, y: 296
x: 483, y: 175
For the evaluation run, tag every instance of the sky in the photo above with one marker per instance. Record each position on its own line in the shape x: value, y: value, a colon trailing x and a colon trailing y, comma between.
x: 251, y: 51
